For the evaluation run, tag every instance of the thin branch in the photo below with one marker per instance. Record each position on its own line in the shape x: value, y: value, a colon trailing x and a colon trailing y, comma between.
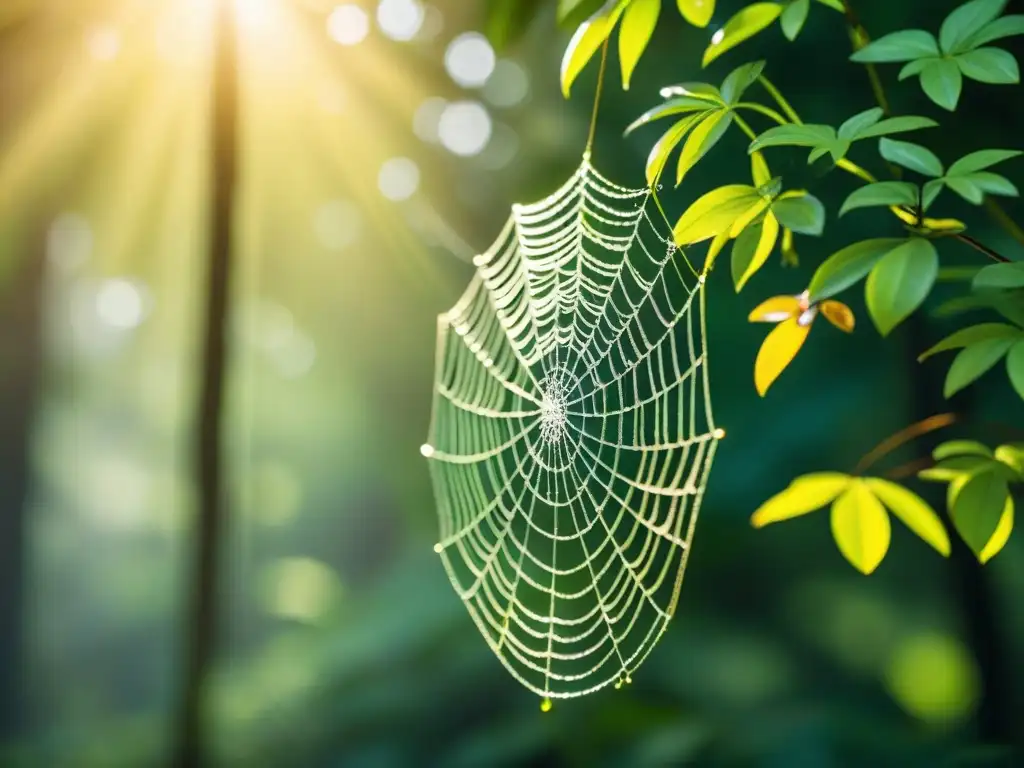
x: 967, y: 239
x: 905, y: 435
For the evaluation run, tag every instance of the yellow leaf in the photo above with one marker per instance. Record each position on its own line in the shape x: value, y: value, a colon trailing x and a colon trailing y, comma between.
x: 1001, y: 534
x: 790, y: 258
x: 589, y: 36
x: 697, y: 12
x: 765, y: 245
x: 913, y: 511
x: 742, y: 222
x: 704, y: 137
x: 714, y: 249
x: 837, y: 313
x: 638, y: 23
x: 759, y: 169
x: 747, y: 23
x: 778, y: 351
x: 663, y: 147
x: 713, y: 213
x: 805, y: 494
x: 928, y: 226
x: 775, y: 310
x: 860, y: 527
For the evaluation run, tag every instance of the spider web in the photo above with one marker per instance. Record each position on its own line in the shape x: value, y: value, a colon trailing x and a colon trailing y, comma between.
x: 572, y: 436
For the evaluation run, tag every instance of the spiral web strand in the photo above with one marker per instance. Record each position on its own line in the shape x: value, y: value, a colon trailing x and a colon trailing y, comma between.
x: 572, y: 436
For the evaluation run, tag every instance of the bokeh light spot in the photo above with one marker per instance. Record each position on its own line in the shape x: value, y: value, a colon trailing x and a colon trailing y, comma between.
x: 934, y: 678
x: 465, y: 128
x: 348, y: 24
x: 119, y: 304
x: 508, y: 86
x: 400, y: 19
x: 69, y: 242
x: 104, y: 43
x: 469, y: 60
x: 299, y: 588
x: 399, y: 178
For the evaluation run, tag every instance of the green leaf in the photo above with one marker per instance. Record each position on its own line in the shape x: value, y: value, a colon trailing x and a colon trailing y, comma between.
x: 913, y: 511
x: 678, y: 106
x: 905, y: 45
x: 1007, y: 26
x: 941, y: 82
x: 896, y: 125
x: 758, y: 241
x: 956, y: 468
x: 961, y: 448
x: 851, y: 128
x: 914, y: 67
x: 978, y: 506
x: 967, y: 20
x: 638, y: 23
x: 714, y: 212
x: 989, y: 65
x: 1001, y: 534
x: 860, y: 527
x: 700, y: 141
x: 965, y: 337
x: 974, y: 361
x: 900, y: 282
x: 793, y: 18
x: 993, y: 183
x: 794, y: 136
x: 1012, y: 455
x: 697, y: 90
x: 506, y: 20
x: 1015, y: 367
x: 835, y: 5
x: 977, y: 161
x: 1000, y: 276
x: 697, y: 12
x: 804, y: 214
x: 805, y: 494
x: 572, y: 13
x: 848, y: 265
x: 930, y: 191
x: 881, y: 193
x: 745, y: 24
x: 739, y: 80
x: 912, y: 156
x: 590, y: 35
x: 966, y: 188
x: 658, y: 157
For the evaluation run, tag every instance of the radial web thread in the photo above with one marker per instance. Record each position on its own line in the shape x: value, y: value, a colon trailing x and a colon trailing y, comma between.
x: 572, y: 436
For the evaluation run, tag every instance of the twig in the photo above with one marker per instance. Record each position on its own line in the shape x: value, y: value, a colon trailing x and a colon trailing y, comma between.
x: 905, y: 435
x: 202, y: 609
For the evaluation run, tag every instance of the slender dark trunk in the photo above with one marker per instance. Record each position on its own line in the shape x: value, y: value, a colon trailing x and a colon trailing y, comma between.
x: 977, y: 599
x: 192, y: 742
x: 20, y: 365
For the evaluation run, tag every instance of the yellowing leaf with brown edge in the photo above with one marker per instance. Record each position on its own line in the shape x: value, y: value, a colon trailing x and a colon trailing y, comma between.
x: 697, y: 12
x: 775, y: 310
x: 778, y: 351
x: 913, y: 511
x: 805, y: 494
x: 713, y: 213
x: 860, y: 526
x: 589, y: 36
x: 837, y: 313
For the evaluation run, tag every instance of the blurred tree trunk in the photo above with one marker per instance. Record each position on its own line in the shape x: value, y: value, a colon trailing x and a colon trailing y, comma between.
x: 20, y: 365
